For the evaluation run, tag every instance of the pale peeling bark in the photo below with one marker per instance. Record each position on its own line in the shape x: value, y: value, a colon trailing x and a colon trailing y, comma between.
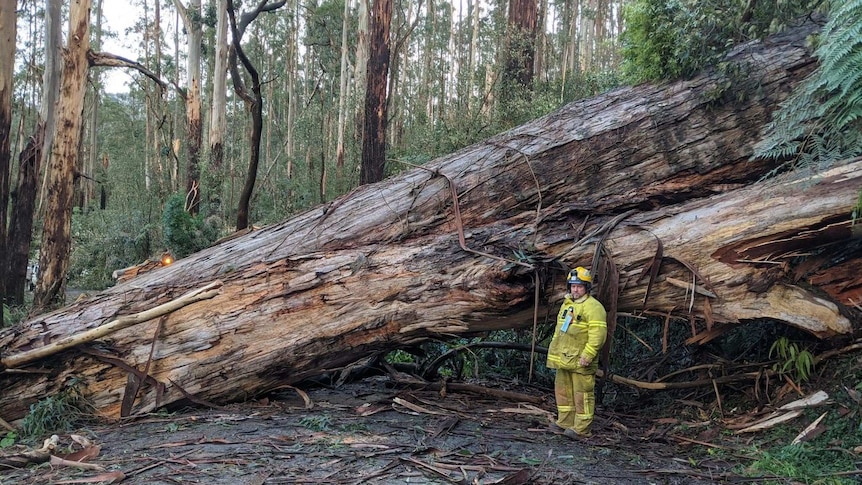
x: 385, y: 266
x: 57, y: 230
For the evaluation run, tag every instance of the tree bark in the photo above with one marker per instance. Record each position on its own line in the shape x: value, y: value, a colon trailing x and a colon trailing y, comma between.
x: 56, y: 233
x: 360, y: 72
x: 21, y: 220
x: 192, y: 16
x: 373, y: 164
x: 342, y: 91
x: 218, y: 118
x: 521, y: 43
x: 8, y: 30
x: 395, y: 264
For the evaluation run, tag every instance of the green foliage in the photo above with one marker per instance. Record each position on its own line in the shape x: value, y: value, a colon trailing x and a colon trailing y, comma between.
x: 13, y: 314
x: 59, y: 413
x: 650, y: 41
x: 399, y: 357
x: 316, y: 422
x: 475, y: 362
x: 104, y: 241
x: 791, y: 360
x: 183, y: 233
x: 8, y: 440
x: 671, y: 39
x: 802, y: 463
x: 821, y: 122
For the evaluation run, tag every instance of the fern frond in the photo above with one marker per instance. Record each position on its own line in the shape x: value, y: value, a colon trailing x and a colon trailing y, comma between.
x: 817, y: 122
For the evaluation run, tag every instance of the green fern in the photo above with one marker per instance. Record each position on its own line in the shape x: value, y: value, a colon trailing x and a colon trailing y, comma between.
x: 820, y: 122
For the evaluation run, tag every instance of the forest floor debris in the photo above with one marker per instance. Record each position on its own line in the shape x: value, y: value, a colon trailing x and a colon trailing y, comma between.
x: 370, y: 431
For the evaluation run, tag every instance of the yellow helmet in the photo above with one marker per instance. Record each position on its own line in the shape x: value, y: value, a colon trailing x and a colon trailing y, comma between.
x: 580, y: 276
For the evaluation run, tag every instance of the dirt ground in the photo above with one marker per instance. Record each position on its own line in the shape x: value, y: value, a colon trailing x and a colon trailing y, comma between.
x: 373, y: 432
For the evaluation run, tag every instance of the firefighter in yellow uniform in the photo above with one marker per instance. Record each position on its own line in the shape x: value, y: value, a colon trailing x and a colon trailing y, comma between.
x: 579, y: 335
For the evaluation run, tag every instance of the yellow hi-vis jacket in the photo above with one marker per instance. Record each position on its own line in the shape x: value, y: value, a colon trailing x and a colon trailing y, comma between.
x: 584, y: 334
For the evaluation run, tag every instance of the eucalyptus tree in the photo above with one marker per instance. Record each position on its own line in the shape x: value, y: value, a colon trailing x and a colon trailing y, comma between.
x: 218, y: 117
x: 519, y: 56
x: 374, y: 126
x: 56, y: 233
x: 361, y: 68
x: 342, y: 89
x: 191, y: 16
x: 87, y: 162
x: 474, y: 10
x: 8, y: 36
x: 155, y: 158
x: 31, y: 159
x: 291, y: 63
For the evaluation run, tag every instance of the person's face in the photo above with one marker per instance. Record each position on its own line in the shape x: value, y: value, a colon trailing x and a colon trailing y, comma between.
x: 578, y: 291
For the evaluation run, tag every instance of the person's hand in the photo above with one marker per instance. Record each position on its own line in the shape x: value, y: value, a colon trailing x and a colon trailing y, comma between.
x: 584, y: 361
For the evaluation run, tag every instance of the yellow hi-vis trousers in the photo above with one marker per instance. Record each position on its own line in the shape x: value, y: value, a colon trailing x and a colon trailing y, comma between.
x: 576, y: 400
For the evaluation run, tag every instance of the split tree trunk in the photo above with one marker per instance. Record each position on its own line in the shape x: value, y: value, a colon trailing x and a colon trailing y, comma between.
x: 191, y: 15
x: 387, y: 265
x: 31, y: 160
x: 57, y: 230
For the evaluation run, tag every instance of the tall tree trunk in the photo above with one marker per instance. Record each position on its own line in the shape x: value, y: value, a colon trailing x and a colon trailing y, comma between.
x: 426, y: 98
x: 342, y: 91
x: 587, y: 38
x: 8, y: 9
x: 218, y: 119
x: 154, y: 121
x: 174, y: 168
x: 291, y: 67
x: 149, y: 124
x: 57, y: 230
x: 520, y: 53
x: 601, y: 19
x: 374, y: 129
x: 157, y: 165
x: 326, y: 129
x: 191, y: 17
x: 360, y: 73
x: 541, y: 40
x: 32, y: 158
x: 474, y: 48
x: 89, y: 164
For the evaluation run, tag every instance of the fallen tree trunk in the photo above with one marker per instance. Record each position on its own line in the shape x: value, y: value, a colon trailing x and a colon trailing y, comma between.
x: 403, y: 261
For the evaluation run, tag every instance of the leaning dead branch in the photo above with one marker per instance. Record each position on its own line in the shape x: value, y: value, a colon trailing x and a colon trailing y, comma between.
x: 23, y: 358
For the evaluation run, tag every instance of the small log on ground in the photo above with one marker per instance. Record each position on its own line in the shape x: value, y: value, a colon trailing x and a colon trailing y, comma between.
x: 395, y: 263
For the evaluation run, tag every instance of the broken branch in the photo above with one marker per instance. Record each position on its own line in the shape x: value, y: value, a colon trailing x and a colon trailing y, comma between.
x: 23, y: 358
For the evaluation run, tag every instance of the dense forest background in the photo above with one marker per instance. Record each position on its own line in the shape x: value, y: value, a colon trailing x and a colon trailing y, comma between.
x: 244, y: 113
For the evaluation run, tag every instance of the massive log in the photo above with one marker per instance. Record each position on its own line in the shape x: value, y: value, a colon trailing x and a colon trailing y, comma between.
x: 658, y: 177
